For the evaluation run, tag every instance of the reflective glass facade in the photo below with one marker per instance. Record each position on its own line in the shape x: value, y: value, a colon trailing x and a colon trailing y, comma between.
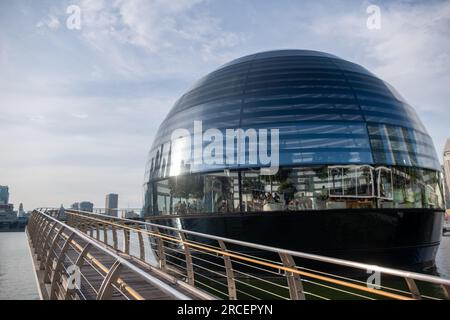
x: 297, y: 189
x: 339, y: 126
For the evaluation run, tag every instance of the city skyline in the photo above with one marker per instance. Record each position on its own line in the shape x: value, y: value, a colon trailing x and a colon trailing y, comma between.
x: 79, y: 115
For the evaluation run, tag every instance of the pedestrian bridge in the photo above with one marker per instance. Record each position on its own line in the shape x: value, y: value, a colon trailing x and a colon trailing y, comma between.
x: 87, y: 256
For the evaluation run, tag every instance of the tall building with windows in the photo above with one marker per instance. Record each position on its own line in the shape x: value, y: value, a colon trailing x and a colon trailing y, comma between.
x: 358, y: 178
x: 4, y: 195
x: 10, y: 220
x: 83, y: 206
x: 446, y: 166
x: 111, y: 204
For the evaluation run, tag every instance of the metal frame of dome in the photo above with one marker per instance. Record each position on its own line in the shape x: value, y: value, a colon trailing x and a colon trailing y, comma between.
x: 353, y: 154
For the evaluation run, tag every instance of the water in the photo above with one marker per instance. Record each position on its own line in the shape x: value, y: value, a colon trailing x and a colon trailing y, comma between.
x: 17, y: 281
x: 443, y: 258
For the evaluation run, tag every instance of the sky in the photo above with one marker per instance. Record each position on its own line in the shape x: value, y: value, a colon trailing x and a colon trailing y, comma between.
x: 79, y: 107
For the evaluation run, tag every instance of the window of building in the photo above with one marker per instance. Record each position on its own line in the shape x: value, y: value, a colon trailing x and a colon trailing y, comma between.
x: 296, y: 189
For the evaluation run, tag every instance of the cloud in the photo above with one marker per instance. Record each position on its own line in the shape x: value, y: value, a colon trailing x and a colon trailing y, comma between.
x: 411, y: 51
x: 165, y: 32
x: 80, y: 115
x: 411, y: 48
x: 79, y: 108
x: 50, y: 22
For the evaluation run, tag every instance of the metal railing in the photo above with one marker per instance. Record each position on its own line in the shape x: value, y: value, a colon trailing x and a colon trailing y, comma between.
x: 120, y: 213
x: 233, y: 269
x: 72, y: 266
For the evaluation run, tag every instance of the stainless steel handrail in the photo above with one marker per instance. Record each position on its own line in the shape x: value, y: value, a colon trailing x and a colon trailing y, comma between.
x: 336, y: 261
x: 170, y: 241
x: 119, y: 260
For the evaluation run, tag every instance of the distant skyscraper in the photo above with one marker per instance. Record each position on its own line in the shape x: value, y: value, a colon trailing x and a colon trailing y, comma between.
x: 447, y: 172
x: 83, y: 206
x: 87, y: 206
x: 111, y: 204
x: 4, y: 195
x: 75, y: 205
x: 21, y: 213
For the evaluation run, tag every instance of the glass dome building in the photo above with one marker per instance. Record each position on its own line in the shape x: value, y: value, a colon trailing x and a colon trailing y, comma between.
x: 358, y: 176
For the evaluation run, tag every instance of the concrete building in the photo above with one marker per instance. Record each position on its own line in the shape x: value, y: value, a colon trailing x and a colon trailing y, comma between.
x: 446, y: 166
x: 111, y: 204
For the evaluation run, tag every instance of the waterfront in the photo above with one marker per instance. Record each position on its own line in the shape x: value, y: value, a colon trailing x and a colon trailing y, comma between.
x: 443, y: 258
x: 17, y: 280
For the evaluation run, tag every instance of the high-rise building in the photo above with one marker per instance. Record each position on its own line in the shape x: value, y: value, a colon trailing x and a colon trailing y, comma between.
x: 83, y: 206
x: 21, y: 212
x: 4, y: 194
x: 10, y: 220
x: 111, y: 204
x: 447, y: 172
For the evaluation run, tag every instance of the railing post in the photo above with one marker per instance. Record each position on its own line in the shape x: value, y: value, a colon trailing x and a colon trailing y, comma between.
x: 106, y: 289
x: 31, y: 227
x: 294, y: 281
x: 82, y: 255
x: 68, y: 218
x: 188, y: 256
x: 39, y: 225
x: 141, y: 243
x: 59, y: 264
x: 97, y: 228
x: 126, y: 240
x: 45, y: 245
x: 232, y: 293
x: 49, y: 259
x: 91, y: 229
x: 74, y: 220
x: 79, y: 264
x: 34, y: 235
x: 415, y: 293
x: 32, y: 222
x: 46, y: 232
x: 82, y: 225
x: 446, y: 290
x: 36, y: 229
x: 114, y: 236
x: 105, y: 233
x: 42, y: 227
x: 160, y: 247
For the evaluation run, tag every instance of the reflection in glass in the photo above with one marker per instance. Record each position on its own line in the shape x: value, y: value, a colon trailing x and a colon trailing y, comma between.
x: 296, y: 189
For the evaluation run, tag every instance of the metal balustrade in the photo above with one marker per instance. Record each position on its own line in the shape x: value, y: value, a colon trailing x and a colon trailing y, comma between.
x: 72, y: 266
x: 233, y: 269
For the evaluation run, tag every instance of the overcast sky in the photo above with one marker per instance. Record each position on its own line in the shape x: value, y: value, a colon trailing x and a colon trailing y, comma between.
x: 79, y: 108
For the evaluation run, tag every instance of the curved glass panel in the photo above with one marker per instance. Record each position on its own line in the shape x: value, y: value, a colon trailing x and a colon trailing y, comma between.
x: 296, y: 188
x: 327, y: 112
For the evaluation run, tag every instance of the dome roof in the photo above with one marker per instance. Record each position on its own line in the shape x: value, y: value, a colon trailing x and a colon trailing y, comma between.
x: 328, y: 111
